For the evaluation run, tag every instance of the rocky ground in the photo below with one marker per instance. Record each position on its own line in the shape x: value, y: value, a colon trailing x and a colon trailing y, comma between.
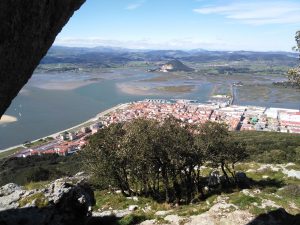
x: 273, y: 198
x: 63, y: 201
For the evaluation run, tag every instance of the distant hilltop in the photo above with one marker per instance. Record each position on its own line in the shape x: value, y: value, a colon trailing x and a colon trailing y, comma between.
x: 175, y: 66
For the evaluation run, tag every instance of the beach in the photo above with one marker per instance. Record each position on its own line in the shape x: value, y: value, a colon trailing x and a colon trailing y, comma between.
x: 7, y: 119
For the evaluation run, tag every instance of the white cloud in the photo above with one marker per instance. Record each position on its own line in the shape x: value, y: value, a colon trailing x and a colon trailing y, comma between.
x: 136, y: 5
x: 182, y: 43
x: 257, y: 12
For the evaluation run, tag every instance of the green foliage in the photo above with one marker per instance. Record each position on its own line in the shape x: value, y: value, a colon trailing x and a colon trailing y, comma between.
x: 297, y: 39
x: 10, y: 152
x: 294, y: 73
x: 148, y: 158
x: 270, y: 147
x: 37, y: 168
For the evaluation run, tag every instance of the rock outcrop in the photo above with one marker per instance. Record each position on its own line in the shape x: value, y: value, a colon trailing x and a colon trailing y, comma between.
x: 175, y: 66
x: 64, y: 201
x: 28, y: 29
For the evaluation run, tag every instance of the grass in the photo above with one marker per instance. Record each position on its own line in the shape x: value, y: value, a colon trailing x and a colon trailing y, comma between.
x: 191, y: 210
x: 39, y: 198
x: 271, y: 147
x: 36, y: 143
x: 10, y: 152
x: 134, y: 218
x: 286, y: 197
x: 244, y: 201
x: 106, y: 201
x: 36, y: 185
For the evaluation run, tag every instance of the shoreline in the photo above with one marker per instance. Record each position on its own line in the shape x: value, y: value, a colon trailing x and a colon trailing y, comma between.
x: 5, y: 119
x: 93, y: 119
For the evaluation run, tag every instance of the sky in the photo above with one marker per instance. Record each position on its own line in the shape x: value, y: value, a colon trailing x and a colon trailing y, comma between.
x: 256, y: 25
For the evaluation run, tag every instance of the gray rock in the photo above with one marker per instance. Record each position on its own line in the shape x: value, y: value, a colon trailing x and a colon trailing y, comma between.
x: 148, y: 222
x: 134, y: 198
x: 10, y: 195
x: 163, y: 213
x: 9, y: 188
x: 174, y: 219
x: 116, y: 213
x: 28, y: 29
x: 69, y: 203
x: 133, y: 207
x: 121, y: 213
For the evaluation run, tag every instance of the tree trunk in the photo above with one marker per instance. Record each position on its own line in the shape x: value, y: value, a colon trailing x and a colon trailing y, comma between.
x: 224, y: 172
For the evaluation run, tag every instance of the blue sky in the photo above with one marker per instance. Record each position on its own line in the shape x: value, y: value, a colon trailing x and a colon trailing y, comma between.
x: 261, y: 25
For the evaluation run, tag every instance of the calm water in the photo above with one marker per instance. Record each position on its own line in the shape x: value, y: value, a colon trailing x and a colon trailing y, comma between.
x: 42, y: 112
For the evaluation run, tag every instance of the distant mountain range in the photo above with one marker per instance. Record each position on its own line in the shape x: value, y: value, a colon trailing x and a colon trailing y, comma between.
x: 106, y: 56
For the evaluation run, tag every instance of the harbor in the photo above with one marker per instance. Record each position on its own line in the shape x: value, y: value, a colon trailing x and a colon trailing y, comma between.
x: 237, y: 118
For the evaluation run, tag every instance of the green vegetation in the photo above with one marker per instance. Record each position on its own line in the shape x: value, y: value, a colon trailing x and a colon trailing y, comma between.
x: 10, y: 152
x: 177, y: 89
x: 37, y: 168
x: 36, y: 185
x: 38, y: 142
x: 147, y: 158
x: 270, y: 147
x: 244, y: 201
x: 133, y: 219
x: 39, y: 199
x: 294, y: 74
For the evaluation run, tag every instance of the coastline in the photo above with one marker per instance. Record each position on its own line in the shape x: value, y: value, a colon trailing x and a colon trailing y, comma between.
x: 91, y: 120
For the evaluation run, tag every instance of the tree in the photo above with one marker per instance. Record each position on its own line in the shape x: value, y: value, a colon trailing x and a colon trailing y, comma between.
x: 297, y: 39
x: 294, y: 73
x: 220, y: 148
x: 294, y: 76
x: 160, y: 159
x: 105, y: 159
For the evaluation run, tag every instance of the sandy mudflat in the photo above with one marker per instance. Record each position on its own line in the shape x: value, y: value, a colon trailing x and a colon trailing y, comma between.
x: 24, y: 91
x: 64, y: 85
x: 7, y: 119
x: 177, y: 89
x: 135, y: 90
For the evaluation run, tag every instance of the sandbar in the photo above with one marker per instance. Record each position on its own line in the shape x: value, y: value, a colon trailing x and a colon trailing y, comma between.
x: 135, y: 90
x: 70, y: 85
x: 7, y: 119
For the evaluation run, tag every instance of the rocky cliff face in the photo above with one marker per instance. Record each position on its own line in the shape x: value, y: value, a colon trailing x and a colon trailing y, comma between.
x: 64, y: 201
x: 175, y: 66
x: 28, y: 28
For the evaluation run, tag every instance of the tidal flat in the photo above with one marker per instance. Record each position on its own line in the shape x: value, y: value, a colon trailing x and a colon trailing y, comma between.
x: 56, y: 100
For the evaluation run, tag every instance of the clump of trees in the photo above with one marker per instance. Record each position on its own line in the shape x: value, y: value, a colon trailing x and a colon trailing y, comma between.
x: 161, y: 160
x: 294, y: 73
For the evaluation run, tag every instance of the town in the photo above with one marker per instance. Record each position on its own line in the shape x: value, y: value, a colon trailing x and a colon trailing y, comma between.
x: 238, y: 118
